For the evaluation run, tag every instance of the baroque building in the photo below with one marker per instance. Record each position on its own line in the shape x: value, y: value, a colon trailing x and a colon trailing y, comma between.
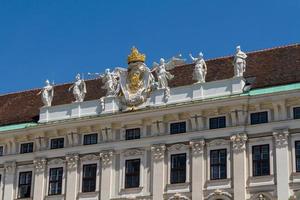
x: 221, y: 129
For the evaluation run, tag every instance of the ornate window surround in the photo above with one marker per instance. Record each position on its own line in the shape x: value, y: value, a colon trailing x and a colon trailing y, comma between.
x: 25, y: 142
x: 25, y: 168
x: 55, y: 163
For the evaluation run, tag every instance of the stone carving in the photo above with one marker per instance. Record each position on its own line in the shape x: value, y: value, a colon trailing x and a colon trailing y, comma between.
x: 79, y: 89
x: 56, y: 161
x: 261, y: 197
x: 197, y: 146
x: 158, y: 151
x: 239, y: 62
x: 178, y: 196
x: 133, y: 152
x: 10, y: 166
x: 178, y: 147
x: 72, y: 160
x: 219, y: 194
x: 218, y: 142
x: 40, y: 164
x: 106, y: 157
x: 47, y: 93
x: 200, y: 69
x: 281, y: 138
x: 239, y: 141
x: 89, y: 157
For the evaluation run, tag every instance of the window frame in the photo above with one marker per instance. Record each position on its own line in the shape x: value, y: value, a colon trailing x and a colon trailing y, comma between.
x: 55, y: 138
x: 31, y: 183
x: 23, y: 143
x: 178, y: 170
x: 260, y: 161
x: 140, y: 133
x: 218, y: 116
x: 56, y: 181
x: 218, y: 165
x: 87, y: 160
x: 56, y: 163
x: 178, y: 121
x: 294, y: 137
x: 90, y: 178
x: 135, y: 174
x: 89, y: 134
x: 293, y: 113
x: 3, y: 150
x: 260, y: 111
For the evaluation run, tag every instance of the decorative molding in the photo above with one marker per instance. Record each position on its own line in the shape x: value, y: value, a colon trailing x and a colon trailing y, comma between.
x: 197, y: 146
x: 72, y: 160
x: 218, y: 194
x: 239, y: 142
x: 106, y: 157
x: 178, y: 147
x: 56, y: 161
x: 89, y: 157
x: 218, y: 142
x: 158, y: 151
x: 40, y: 164
x: 281, y: 138
x: 133, y: 152
x: 10, y: 166
x: 178, y: 196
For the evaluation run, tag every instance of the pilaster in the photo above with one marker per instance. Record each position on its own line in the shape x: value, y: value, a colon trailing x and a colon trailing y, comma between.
x: 39, y: 178
x: 239, y: 165
x: 197, y: 149
x: 72, y: 176
x: 10, y: 171
x: 107, y: 173
x: 158, y: 153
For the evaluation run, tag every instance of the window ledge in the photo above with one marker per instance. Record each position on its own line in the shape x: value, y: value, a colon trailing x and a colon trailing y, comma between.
x: 131, y: 190
x: 30, y: 198
x: 89, y: 194
x: 178, y: 187
x: 261, y: 180
x: 218, y: 184
x: 55, y: 197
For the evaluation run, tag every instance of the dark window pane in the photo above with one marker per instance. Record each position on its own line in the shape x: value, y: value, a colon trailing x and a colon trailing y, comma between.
x: 24, y: 187
x: 26, y: 147
x: 217, y: 122
x: 218, y: 164
x: 1, y: 150
x: 178, y: 168
x: 55, y: 181
x: 89, y: 178
x: 296, y: 112
x: 90, y: 139
x: 261, y: 160
x: 297, y: 154
x: 259, y: 117
x: 132, y: 173
x: 132, y: 134
x: 57, y: 143
x: 178, y: 127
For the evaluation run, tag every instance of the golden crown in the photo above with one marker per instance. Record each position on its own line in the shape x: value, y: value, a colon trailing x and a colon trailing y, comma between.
x: 135, y: 56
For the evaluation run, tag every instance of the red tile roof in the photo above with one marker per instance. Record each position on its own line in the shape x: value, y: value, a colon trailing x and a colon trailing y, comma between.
x: 271, y: 67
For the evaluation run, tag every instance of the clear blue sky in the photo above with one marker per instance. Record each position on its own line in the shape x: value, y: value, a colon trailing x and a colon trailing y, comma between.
x: 55, y: 39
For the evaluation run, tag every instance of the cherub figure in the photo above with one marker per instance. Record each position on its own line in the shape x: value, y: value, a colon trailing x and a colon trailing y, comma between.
x: 47, y: 93
x: 200, y: 69
x: 79, y: 89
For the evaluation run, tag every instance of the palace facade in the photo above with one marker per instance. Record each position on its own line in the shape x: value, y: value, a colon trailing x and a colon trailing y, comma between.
x: 147, y: 134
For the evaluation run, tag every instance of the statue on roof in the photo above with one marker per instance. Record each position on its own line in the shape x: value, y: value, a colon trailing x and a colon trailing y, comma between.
x: 200, y: 69
x: 239, y: 62
x: 47, y: 93
x: 79, y: 88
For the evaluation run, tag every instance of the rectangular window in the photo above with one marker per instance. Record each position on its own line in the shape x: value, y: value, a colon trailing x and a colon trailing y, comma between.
x: 177, y: 127
x: 296, y: 112
x: 57, y: 143
x: 218, y: 164
x: 55, y: 181
x: 261, y: 160
x: 24, y: 187
x: 26, y: 147
x: 259, y: 117
x: 132, y: 173
x: 217, y: 122
x: 89, y: 178
x: 132, y: 134
x: 178, y: 168
x: 90, y: 139
x: 1, y: 150
x: 297, y: 154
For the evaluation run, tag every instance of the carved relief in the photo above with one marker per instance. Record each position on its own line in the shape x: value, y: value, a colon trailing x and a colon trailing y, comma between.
x: 219, y: 194
x: 197, y: 146
x: 239, y: 141
x: 133, y: 152
x: 158, y: 151
x: 218, y: 142
x: 178, y: 147
x: 40, y: 164
x: 106, y: 157
x: 281, y: 138
x: 89, y: 157
x: 10, y: 166
x: 178, y: 196
x: 72, y: 160
x: 56, y: 161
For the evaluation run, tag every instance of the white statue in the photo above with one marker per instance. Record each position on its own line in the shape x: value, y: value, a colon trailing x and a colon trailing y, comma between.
x: 47, y: 93
x: 200, y: 69
x: 79, y: 89
x: 110, y: 82
x: 239, y: 62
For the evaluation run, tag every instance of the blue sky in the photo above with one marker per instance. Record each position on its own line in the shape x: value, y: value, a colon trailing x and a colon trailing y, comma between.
x: 56, y: 39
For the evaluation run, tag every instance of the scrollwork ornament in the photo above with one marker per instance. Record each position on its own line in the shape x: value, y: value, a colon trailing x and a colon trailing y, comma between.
x: 239, y: 141
x: 197, y: 147
x: 158, y: 151
x: 40, y: 164
x: 72, y: 160
x: 106, y: 157
x: 281, y: 138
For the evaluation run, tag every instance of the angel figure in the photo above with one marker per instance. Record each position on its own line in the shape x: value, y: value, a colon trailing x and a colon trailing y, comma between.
x: 162, y: 68
x: 239, y: 62
x: 79, y: 89
x: 47, y: 93
x: 110, y: 82
x: 200, y: 69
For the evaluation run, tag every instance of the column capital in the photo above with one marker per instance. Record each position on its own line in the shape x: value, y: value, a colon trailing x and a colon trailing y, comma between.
x: 10, y: 166
x: 40, y: 164
x: 106, y: 157
x: 72, y: 160
x: 239, y: 142
x: 158, y: 151
x: 197, y: 146
x: 281, y: 137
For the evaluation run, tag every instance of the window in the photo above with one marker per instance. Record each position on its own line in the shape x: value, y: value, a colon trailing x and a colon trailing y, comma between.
x: 90, y: 139
x: 55, y: 181
x: 178, y: 168
x: 24, y: 184
x: 1, y: 150
x: 57, y: 143
x: 26, y: 147
x: 261, y: 160
x: 132, y: 173
x: 297, y: 154
x: 217, y: 122
x: 89, y: 178
x: 178, y: 127
x: 218, y: 167
x: 259, y: 117
x: 132, y: 134
x: 296, y: 112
